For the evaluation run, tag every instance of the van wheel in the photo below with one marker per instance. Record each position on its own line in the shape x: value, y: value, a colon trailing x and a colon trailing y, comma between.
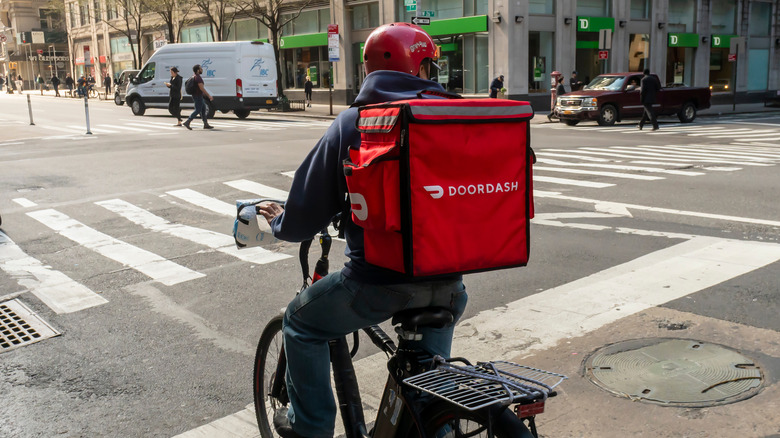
x: 118, y: 100
x: 210, y: 110
x: 608, y: 115
x: 687, y: 113
x: 138, y: 107
x: 570, y: 122
x: 242, y: 113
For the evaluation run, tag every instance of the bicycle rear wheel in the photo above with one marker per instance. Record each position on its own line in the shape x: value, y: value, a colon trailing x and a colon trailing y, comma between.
x: 445, y: 420
x: 268, y: 352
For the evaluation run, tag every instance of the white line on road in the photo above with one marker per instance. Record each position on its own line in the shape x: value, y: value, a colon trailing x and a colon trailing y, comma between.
x: 55, y: 289
x: 147, y: 127
x: 597, y: 173
x: 571, y: 182
x: 619, y: 167
x: 661, y: 157
x: 217, y: 241
x: 258, y: 189
x: 544, y: 153
x: 150, y: 264
x: 24, y: 202
x: 671, y: 150
x: 204, y: 201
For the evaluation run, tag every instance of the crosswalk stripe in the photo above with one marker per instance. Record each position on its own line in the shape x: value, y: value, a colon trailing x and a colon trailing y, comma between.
x: 544, y: 153
x: 258, y: 189
x: 597, y: 173
x: 203, y: 201
x: 662, y: 157
x: 678, y: 131
x: 733, y: 132
x: 217, y: 241
x: 58, y: 291
x: 711, y: 151
x: 150, y: 264
x: 79, y: 130
x: 689, y: 152
x: 571, y: 182
x: 659, y: 163
x: 769, y: 135
x: 102, y: 130
x: 620, y: 167
x: 130, y: 128
x: 156, y: 126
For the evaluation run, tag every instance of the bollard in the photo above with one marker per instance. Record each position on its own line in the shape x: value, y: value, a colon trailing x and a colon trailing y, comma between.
x: 29, y: 108
x: 86, y: 110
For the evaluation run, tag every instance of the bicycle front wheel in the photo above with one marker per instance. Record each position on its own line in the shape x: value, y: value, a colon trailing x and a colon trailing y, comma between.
x: 445, y: 420
x: 269, y: 350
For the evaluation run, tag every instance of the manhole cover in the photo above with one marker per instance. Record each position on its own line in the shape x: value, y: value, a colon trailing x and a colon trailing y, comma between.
x: 674, y: 372
x: 20, y: 326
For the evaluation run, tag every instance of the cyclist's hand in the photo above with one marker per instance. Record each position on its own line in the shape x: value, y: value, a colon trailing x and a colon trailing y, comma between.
x: 269, y: 210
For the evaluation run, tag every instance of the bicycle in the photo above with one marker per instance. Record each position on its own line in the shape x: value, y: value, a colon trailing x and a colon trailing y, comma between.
x: 425, y: 396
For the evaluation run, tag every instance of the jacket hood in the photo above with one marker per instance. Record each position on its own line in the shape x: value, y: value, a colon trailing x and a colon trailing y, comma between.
x: 387, y: 86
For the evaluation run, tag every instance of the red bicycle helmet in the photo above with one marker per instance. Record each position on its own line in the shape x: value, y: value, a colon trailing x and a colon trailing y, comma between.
x: 398, y: 47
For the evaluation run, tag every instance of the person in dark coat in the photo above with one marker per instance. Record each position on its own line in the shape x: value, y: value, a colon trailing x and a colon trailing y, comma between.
x: 560, y: 90
x: 307, y: 88
x: 69, y: 84
x: 174, y: 95
x: 55, y: 83
x: 496, y: 86
x: 107, y: 83
x: 648, y: 89
x: 576, y: 84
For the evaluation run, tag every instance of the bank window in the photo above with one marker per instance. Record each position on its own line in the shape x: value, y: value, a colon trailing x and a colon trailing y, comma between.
x: 760, y: 19
x: 120, y: 45
x: 541, y: 7
x: 324, y: 16
x: 638, y: 51
x: 475, y: 7
x: 200, y: 34
x: 111, y: 11
x: 640, y: 9
x: 594, y: 8
x: 312, y: 21
x: 365, y: 16
x: 682, y: 16
x: 83, y: 14
x: 306, y: 61
x: 244, y: 30
x: 147, y: 74
x: 723, y: 16
x: 540, y: 59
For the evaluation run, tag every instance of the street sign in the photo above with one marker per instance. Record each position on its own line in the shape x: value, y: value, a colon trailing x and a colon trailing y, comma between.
x: 605, y: 39
x: 333, y: 42
x: 3, y: 38
x: 732, y: 57
x: 421, y: 21
x: 38, y: 37
x: 603, y: 54
x: 411, y: 5
x: 40, y: 51
x: 428, y: 14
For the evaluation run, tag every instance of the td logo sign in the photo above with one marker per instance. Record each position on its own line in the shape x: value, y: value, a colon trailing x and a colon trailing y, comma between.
x: 716, y: 41
x: 584, y: 23
x: 673, y: 39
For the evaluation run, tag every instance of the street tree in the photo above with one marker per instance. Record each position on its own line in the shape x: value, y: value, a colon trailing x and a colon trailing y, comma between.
x: 130, y: 23
x: 173, y: 14
x: 220, y: 14
x: 275, y: 15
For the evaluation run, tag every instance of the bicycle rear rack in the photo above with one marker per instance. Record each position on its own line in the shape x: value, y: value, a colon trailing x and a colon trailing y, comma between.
x: 488, y: 383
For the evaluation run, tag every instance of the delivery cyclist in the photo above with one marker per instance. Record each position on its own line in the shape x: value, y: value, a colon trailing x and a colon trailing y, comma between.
x: 398, y: 58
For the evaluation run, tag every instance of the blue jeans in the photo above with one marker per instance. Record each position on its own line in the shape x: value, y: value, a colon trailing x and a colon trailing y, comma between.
x: 336, y: 306
x: 200, y: 108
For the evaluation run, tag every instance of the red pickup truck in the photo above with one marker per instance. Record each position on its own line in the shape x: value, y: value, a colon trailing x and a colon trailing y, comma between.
x: 612, y: 97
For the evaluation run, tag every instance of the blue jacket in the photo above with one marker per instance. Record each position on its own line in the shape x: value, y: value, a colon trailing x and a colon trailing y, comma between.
x: 319, y: 187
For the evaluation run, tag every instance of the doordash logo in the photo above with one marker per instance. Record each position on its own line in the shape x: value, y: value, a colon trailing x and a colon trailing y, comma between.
x: 437, y: 192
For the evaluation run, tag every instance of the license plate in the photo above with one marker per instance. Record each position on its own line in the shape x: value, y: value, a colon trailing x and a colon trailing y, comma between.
x: 568, y: 112
x: 269, y: 102
x: 529, y: 410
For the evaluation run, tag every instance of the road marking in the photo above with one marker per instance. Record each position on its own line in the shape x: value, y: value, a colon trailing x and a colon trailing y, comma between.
x: 734, y: 132
x: 571, y: 182
x: 619, y: 167
x: 544, y: 153
x: 258, y: 189
x: 130, y: 128
x: 55, y: 289
x: 217, y: 241
x: 597, y: 173
x: 150, y: 264
x: 203, y: 201
x: 68, y: 130
x: 144, y: 125
x: 290, y: 174
x: 11, y: 144
x: 661, y: 157
x: 24, y: 202
x: 690, y: 153
x: 542, y: 320
x: 765, y: 153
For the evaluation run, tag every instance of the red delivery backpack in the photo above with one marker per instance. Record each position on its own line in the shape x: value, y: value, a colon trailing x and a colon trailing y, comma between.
x: 443, y: 186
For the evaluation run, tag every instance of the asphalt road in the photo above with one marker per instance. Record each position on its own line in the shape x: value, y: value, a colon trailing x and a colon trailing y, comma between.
x: 133, y: 221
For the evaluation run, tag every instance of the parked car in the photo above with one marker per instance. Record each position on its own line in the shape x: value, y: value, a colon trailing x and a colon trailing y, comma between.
x: 610, y: 98
x: 120, y: 85
x: 720, y: 85
x: 240, y: 75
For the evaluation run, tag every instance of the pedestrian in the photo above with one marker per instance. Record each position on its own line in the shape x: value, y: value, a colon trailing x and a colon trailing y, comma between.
x: 82, y: 86
x: 648, y: 89
x: 307, y: 87
x: 574, y: 83
x: 2, y: 82
x: 69, y: 84
x: 107, y: 84
x: 19, y: 83
x: 560, y: 90
x: 55, y: 83
x: 496, y: 86
x: 40, y: 83
x: 174, y: 95
x: 360, y: 293
x: 197, y: 97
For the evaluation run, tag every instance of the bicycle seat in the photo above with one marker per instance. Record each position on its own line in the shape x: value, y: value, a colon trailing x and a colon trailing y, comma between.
x: 411, y: 319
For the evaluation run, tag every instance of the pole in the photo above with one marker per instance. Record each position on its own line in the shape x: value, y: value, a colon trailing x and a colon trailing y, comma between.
x: 734, y: 85
x: 86, y: 110
x: 330, y: 87
x: 29, y: 108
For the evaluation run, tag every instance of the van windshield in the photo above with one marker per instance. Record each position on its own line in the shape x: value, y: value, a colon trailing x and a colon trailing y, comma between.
x: 612, y: 83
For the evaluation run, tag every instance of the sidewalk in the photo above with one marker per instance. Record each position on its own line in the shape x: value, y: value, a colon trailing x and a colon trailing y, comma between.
x: 50, y: 93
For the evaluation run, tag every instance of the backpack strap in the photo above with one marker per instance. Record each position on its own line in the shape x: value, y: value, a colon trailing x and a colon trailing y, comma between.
x: 438, y: 93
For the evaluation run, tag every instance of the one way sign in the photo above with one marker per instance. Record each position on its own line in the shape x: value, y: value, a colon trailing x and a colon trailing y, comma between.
x: 421, y: 21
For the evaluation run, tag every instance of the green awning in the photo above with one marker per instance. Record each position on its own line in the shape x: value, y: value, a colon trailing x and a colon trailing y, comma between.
x: 595, y: 24
x: 306, y: 40
x: 456, y: 26
x: 683, y: 40
x: 722, y: 41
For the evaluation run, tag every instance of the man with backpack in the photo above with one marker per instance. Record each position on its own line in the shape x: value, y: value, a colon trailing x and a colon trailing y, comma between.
x: 194, y: 86
x: 648, y: 89
x: 361, y: 294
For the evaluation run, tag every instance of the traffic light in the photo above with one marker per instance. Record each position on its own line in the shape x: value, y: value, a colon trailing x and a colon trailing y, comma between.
x: 13, y: 65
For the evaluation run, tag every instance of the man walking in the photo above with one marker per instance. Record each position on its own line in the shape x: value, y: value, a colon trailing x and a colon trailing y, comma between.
x: 648, y: 89
x: 107, y: 84
x: 174, y: 95
x: 307, y: 89
x: 197, y: 97
x: 496, y: 86
x: 55, y: 83
x: 69, y: 84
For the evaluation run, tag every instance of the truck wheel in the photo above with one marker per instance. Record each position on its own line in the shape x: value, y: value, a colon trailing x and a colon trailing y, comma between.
x: 117, y: 99
x: 571, y: 122
x: 241, y: 113
x: 138, y: 107
x: 210, y: 110
x: 608, y: 115
x: 687, y: 113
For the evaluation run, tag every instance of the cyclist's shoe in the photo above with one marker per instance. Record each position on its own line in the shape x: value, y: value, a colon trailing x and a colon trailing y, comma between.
x: 283, y: 426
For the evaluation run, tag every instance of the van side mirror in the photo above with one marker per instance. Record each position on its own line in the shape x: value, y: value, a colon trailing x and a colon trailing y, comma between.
x: 134, y: 80
x: 631, y: 87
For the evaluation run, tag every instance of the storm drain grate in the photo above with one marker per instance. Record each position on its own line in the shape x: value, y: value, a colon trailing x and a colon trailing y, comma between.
x: 674, y: 372
x: 20, y: 326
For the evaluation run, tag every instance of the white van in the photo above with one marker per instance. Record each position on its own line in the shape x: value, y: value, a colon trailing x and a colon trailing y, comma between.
x: 241, y: 76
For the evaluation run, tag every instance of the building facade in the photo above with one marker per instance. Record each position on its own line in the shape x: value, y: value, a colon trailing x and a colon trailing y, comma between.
x: 684, y: 42
x: 34, y: 41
